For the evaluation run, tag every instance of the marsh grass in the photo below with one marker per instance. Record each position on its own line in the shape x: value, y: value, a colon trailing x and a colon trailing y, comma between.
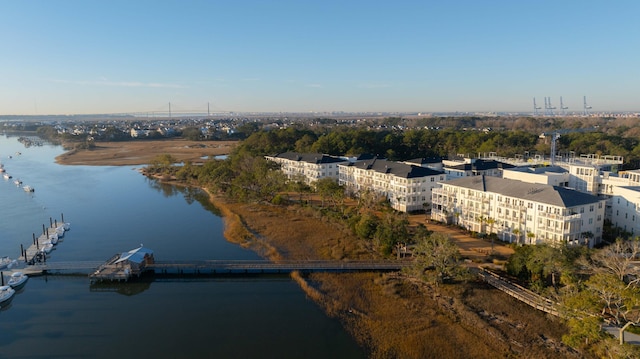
x: 391, y: 315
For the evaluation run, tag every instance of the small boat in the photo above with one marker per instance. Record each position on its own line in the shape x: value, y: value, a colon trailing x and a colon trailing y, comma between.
x: 53, y: 238
x: 7, y: 176
x: 28, y: 188
x: 6, y: 294
x: 60, y: 231
x: 5, y: 262
x: 17, y: 182
x: 67, y: 226
x: 46, y: 247
x: 17, y: 280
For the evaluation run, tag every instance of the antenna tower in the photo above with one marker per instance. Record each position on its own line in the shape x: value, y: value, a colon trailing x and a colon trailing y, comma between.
x: 554, y: 139
x: 585, y: 107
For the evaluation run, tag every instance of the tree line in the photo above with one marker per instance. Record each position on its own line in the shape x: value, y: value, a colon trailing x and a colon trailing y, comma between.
x: 595, y: 287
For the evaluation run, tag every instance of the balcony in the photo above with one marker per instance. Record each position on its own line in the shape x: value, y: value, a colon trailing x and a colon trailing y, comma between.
x: 560, y: 217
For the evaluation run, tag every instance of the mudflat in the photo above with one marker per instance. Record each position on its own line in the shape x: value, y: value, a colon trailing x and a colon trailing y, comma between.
x: 142, y: 152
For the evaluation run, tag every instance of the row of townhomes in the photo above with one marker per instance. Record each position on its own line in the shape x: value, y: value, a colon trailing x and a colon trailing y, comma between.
x: 521, y: 201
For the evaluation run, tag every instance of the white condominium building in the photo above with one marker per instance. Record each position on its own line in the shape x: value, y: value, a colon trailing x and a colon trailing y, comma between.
x: 526, y: 213
x: 307, y: 166
x: 407, y: 187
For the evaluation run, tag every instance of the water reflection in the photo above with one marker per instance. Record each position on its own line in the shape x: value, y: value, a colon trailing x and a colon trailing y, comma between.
x: 191, y: 194
x: 124, y: 288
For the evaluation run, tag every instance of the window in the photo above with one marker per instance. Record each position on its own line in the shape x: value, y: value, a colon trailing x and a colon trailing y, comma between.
x: 592, y: 207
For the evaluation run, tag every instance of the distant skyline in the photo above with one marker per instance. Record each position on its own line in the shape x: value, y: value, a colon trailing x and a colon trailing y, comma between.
x: 85, y: 57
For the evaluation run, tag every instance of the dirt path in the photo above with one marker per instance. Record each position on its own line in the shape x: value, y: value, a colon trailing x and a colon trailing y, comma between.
x: 476, y: 249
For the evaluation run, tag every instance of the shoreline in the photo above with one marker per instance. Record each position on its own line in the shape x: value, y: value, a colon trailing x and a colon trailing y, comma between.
x: 389, y: 315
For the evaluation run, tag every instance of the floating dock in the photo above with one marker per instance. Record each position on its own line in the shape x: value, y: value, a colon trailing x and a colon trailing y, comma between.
x: 34, y: 254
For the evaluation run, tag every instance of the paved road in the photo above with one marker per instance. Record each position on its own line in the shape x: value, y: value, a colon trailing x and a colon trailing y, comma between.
x: 628, y: 337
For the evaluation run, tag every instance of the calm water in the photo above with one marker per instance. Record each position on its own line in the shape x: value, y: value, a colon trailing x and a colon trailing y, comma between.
x: 113, y: 209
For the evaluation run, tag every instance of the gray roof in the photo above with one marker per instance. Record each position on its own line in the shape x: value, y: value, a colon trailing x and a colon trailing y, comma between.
x: 539, y: 170
x: 481, y: 165
x: 553, y: 195
x: 316, y: 158
x: 424, y: 160
x: 398, y: 169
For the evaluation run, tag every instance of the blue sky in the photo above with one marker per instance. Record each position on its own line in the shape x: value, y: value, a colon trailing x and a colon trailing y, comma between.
x: 77, y: 57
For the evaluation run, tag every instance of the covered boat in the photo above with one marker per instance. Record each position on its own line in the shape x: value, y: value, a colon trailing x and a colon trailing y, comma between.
x: 17, y: 280
x: 4, y: 262
x: 6, y: 294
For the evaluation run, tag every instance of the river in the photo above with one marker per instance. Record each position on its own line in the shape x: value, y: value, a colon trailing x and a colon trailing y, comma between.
x: 114, y: 209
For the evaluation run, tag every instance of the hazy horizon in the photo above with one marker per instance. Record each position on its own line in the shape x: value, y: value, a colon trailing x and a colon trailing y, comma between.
x: 78, y: 57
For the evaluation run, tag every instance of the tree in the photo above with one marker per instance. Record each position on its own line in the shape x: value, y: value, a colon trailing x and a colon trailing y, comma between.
x: 618, y: 259
x: 531, y: 236
x: 327, y: 188
x: 491, y: 222
x: 516, y: 232
x: 192, y: 133
x: 437, y: 259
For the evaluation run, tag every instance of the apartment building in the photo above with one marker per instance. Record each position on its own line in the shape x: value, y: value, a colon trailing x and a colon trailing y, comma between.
x: 408, y: 187
x: 521, y: 212
x: 551, y: 175
x: 467, y: 167
x: 309, y: 167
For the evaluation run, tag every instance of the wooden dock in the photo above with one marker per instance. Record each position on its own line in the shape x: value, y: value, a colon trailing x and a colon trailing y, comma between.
x: 108, y: 272
x: 262, y: 266
x: 33, y: 254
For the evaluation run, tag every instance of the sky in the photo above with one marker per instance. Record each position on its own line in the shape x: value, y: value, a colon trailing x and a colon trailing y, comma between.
x: 139, y: 56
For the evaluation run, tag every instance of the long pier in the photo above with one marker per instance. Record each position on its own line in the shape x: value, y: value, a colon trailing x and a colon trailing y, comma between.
x: 219, y: 267
x: 261, y: 266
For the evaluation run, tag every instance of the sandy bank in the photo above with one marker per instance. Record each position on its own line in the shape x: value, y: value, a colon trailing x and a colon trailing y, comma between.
x: 141, y: 152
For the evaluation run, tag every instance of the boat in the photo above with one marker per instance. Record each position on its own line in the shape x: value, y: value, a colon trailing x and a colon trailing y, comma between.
x: 17, y: 280
x: 17, y: 182
x: 53, y: 238
x: 28, y: 188
x: 46, y: 247
x: 67, y: 226
x: 7, y: 176
x: 60, y: 231
x: 5, y: 262
x: 6, y: 294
